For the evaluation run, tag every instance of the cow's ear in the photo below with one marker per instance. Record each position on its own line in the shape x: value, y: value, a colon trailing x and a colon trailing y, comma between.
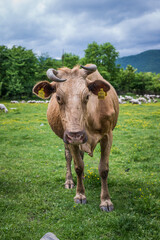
x: 44, y: 89
x: 96, y: 86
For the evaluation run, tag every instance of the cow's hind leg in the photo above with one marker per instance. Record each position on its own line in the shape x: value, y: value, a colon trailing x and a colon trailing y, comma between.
x: 69, y: 179
x: 106, y: 143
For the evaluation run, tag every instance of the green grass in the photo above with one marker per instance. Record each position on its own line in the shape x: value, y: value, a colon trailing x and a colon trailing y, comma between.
x: 33, y: 200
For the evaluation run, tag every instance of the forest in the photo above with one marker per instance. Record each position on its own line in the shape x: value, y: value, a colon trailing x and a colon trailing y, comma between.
x: 20, y: 69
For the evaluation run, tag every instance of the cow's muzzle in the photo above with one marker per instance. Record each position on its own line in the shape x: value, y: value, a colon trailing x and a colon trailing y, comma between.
x: 75, y: 137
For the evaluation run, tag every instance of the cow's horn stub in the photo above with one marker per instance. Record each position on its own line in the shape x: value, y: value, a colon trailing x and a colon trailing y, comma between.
x: 90, y: 69
x: 51, y: 74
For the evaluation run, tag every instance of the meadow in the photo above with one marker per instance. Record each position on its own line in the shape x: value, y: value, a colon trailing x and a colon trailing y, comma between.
x: 33, y: 200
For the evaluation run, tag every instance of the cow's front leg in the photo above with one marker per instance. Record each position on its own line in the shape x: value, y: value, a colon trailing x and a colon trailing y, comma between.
x: 79, y: 168
x: 106, y: 143
x: 69, y: 179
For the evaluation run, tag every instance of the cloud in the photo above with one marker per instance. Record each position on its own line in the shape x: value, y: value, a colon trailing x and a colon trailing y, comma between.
x: 56, y: 25
x: 141, y: 33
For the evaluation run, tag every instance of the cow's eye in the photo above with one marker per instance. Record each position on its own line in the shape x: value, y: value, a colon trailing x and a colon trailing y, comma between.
x: 59, y: 100
x: 86, y: 98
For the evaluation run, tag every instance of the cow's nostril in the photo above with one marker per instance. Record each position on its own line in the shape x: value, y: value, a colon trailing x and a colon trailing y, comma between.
x: 69, y: 137
x: 75, y: 137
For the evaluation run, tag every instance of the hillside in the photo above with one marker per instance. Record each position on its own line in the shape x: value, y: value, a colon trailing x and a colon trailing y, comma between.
x: 148, y: 61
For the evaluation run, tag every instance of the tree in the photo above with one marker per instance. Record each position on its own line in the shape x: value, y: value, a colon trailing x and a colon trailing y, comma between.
x: 152, y: 83
x: 18, y: 67
x: 21, y: 72
x: 127, y: 79
x: 104, y: 56
x: 4, y: 64
x: 92, y: 54
x: 21, y: 68
x: 70, y: 60
x: 44, y: 63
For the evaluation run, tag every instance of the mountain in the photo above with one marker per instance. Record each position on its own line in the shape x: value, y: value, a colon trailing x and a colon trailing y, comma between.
x: 148, y: 61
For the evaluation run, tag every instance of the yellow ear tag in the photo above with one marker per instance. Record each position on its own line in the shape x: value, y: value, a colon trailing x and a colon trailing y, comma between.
x: 41, y: 93
x: 101, y: 94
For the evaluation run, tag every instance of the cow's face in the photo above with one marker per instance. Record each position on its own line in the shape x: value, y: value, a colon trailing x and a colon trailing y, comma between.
x: 72, y: 97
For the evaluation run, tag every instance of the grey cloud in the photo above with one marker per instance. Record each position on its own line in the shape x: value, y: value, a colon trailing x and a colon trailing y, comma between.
x: 53, y: 25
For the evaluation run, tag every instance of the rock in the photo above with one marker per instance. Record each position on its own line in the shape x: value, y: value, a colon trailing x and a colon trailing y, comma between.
x: 49, y: 236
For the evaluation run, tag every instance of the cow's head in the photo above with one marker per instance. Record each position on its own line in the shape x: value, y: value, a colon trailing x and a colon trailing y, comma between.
x: 73, y: 90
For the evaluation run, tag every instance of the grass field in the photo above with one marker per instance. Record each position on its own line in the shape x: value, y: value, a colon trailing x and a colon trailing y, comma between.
x: 33, y: 200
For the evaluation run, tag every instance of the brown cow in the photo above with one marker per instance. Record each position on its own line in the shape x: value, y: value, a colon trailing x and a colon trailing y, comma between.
x: 77, y: 115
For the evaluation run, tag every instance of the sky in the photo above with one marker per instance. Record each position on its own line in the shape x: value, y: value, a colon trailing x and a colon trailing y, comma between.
x: 57, y: 26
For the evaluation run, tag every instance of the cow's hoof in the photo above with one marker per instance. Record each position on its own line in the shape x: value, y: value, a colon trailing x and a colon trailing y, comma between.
x: 81, y: 201
x: 69, y: 184
x: 80, y: 198
x: 107, y: 206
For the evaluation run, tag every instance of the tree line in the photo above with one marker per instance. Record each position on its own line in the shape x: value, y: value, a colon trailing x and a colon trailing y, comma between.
x: 20, y: 69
